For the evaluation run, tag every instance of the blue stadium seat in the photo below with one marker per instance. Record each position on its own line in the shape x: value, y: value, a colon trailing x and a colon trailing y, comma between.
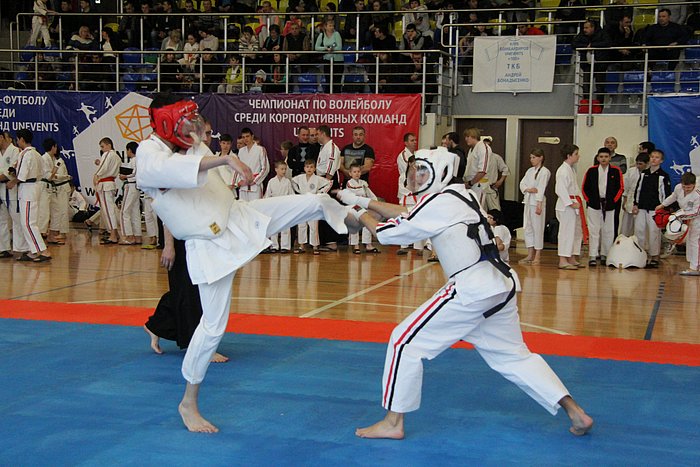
x: 692, y: 56
x: 564, y: 54
x: 27, y: 55
x: 612, y: 82
x: 690, y: 81
x: 308, y: 83
x: 632, y: 82
x: 663, y: 81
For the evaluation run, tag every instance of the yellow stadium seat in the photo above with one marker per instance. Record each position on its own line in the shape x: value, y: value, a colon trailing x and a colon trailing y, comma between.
x: 643, y: 20
x: 113, y: 26
x: 398, y: 29
x: 549, y: 3
x: 498, y: 25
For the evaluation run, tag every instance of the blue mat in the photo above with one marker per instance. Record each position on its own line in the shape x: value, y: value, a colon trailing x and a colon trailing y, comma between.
x: 76, y: 394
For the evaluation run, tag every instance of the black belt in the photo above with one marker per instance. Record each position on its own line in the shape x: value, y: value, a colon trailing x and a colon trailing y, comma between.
x: 60, y: 183
x: 128, y: 182
x: 29, y: 180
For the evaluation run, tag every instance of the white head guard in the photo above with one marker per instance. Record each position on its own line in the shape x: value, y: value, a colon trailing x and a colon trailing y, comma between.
x: 432, y: 170
x: 625, y: 252
x: 676, y: 229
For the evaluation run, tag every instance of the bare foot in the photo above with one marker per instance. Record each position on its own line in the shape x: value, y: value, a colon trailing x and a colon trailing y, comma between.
x: 391, y: 427
x: 581, y: 423
x: 218, y: 358
x: 193, y: 420
x: 154, y: 340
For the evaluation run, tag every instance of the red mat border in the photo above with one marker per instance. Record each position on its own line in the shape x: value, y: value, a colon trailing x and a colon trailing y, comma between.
x: 360, y: 331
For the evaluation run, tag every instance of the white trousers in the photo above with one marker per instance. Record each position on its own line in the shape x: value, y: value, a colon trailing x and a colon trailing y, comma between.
x: 44, y: 205
x: 533, y: 225
x: 39, y: 27
x: 19, y: 242
x: 245, y: 195
x: 312, y: 238
x: 29, y: 214
x: 570, y: 233
x: 354, y: 238
x: 692, y: 244
x: 5, y: 226
x: 150, y: 218
x: 444, y: 320
x: 647, y: 232
x: 282, y: 240
x: 284, y: 212
x: 491, y: 199
x: 59, y: 201
x: 109, y: 218
x: 601, y: 232
x: 131, y: 211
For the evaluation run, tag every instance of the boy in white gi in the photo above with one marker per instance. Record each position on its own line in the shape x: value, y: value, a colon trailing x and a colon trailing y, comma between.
x: 227, y: 174
x: 602, y: 189
x: 220, y: 234
x: 496, y: 173
x: 501, y: 233
x: 533, y: 187
x: 28, y: 174
x: 45, y: 185
x: 9, y: 206
x: 40, y: 24
x: 477, y: 162
x: 631, y: 179
x: 309, y: 182
x: 254, y: 156
x: 360, y: 188
x: 477, y: 304
x: 280, y: 185
x: 406, y: 198
x: 569, y: 210
x: 59, y: 200
x: 131, y: 203
x: 688, y: 198
x: 106, y: 188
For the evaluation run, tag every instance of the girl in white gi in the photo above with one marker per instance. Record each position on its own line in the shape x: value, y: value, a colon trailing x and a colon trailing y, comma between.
x: 131, y: 203
x: 106, y: 188
x: 40, y: 24
x: 59, y: 201
x: 501, y: 233
x: 28, y: 174
x: 309, y: 182
x: 220, y: 234
x: 569, y: 211
x: 280, y: 185
x: 688, y: 198
x: 406, y: 198
x: 477, y: 304
x: 533, y: 186
x: 254, y: 156
x: 360, y: 188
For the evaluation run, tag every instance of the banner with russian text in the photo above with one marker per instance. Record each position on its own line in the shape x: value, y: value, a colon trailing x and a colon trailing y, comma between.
x: 514, y: 63
x: 674, y: 127
x: 276, y: 118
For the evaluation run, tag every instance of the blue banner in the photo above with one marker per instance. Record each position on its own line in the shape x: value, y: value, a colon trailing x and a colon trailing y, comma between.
x: 674, y: 127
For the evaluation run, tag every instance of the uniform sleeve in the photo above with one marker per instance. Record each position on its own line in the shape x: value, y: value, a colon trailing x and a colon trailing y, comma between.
x: 502, y: 166
x: 523, y: 183
x: 158, y: 168
x: 692, y: 207
x: 324, y: 185
x: 264, y: 168
x: 542, y: 181
x: 672, y: 198
x: 560, y: 188
x: 295, y: 184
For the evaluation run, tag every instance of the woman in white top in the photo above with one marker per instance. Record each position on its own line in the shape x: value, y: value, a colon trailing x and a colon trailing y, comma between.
x: 533, y: 186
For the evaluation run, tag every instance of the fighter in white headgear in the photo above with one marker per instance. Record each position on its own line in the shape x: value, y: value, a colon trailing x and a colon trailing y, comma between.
x: 477, y: 304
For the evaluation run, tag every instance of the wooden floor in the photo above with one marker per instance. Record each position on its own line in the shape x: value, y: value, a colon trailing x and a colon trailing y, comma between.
x: 635, y: 304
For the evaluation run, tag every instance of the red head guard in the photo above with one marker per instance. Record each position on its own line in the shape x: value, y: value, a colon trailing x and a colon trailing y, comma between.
x: 176, y: 123
x: 661, y: 218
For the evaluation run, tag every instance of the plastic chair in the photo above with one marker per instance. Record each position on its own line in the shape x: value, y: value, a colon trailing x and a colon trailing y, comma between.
x: 643, y: 20
x: 564, y: 54
x: 632, y: 82
x: 308, y: 83
x: 690, y: 81
x: 663, y: 81
x: 612, y: 82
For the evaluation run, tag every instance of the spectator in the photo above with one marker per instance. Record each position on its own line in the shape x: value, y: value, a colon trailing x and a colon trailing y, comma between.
x: 622, y: 35
x: 207, y: 40
x: 416, y: 14
x: 259, y: 83
x: 379, y: 18
x: 278, y: 74
x: 93, y: 22
x: 191, y: 25
x: 84, y: 40
x: 210, y: 21
x: 301, y: 152
x: 414, y: 40
x: 212, y: 73
x: 109, y: 43
x: 329, y: 42
x: 190, y: 48
x: 528, y: 30
x: 64, y: 24
x: 173, y: 41
x: 296, y: 41
x: 248, y: 46
x: 357, y: 152
x: 351, y: 32
x: 164, y: 25
x: 567, y: 31
x: 382, y: 40
x: 273, y: 43
x: 614, y: 15
x: 128, y: 24
x: 170, y: 72
x: 593, y: 37
x: 665, y: 33
x: 145, y: 33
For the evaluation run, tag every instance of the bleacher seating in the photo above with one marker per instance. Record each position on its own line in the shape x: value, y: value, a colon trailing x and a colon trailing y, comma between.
x: 663, y: 81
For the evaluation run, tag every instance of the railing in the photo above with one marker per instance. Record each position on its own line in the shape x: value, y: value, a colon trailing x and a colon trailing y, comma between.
x: 615, y: 86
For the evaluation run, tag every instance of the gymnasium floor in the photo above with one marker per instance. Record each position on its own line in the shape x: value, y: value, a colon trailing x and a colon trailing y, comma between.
x: 307, y: 341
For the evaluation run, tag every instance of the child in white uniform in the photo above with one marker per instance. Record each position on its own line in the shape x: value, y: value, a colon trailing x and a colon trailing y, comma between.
x: 309, y: 182
x: 360, y: 187
x: 131, y: 203
x: 688, y: 198
x: 501, y: 233
x: 569, y: 210
x: 533, y: 187
x: 280, y: 186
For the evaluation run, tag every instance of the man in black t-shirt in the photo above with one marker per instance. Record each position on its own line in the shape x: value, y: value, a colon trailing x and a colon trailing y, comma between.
x: 358, y: 151
x: 301, y: 152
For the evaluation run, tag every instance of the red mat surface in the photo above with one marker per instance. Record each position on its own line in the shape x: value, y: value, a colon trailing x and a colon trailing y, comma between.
x: 360, y: 331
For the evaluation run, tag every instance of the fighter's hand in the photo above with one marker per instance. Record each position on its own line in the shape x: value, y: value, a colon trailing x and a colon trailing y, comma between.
x: 167, y: 258
x: 236, y: 164
x: 347, y: 197
x: 575, y: 205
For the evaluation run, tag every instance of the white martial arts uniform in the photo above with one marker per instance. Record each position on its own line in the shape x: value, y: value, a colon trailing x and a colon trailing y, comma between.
x: 106, y: 189
x: 280, y: 187
x: 45, y: 191
x: 406, y: 198
x: 131, y: 203
x: 59, y: 206
x: 502, y: 232
x: 220, y: 234
x: 495, y: 169
x: 361, y: 189
x: 690, y: 211
x: 457, y: 311
x: 40, y: 24
x: 29, y: 172
x: 478, y: 161
x: 256, y: 159
x: 328, y: 160
x: 570, y: 227
x: 9, y: 207
x: 229, y: 176
x: 533, y: 224
x: 304, y: 184
x: 627, y: 221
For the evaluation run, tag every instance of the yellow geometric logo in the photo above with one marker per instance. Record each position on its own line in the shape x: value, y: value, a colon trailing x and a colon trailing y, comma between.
x: 134, y: 123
